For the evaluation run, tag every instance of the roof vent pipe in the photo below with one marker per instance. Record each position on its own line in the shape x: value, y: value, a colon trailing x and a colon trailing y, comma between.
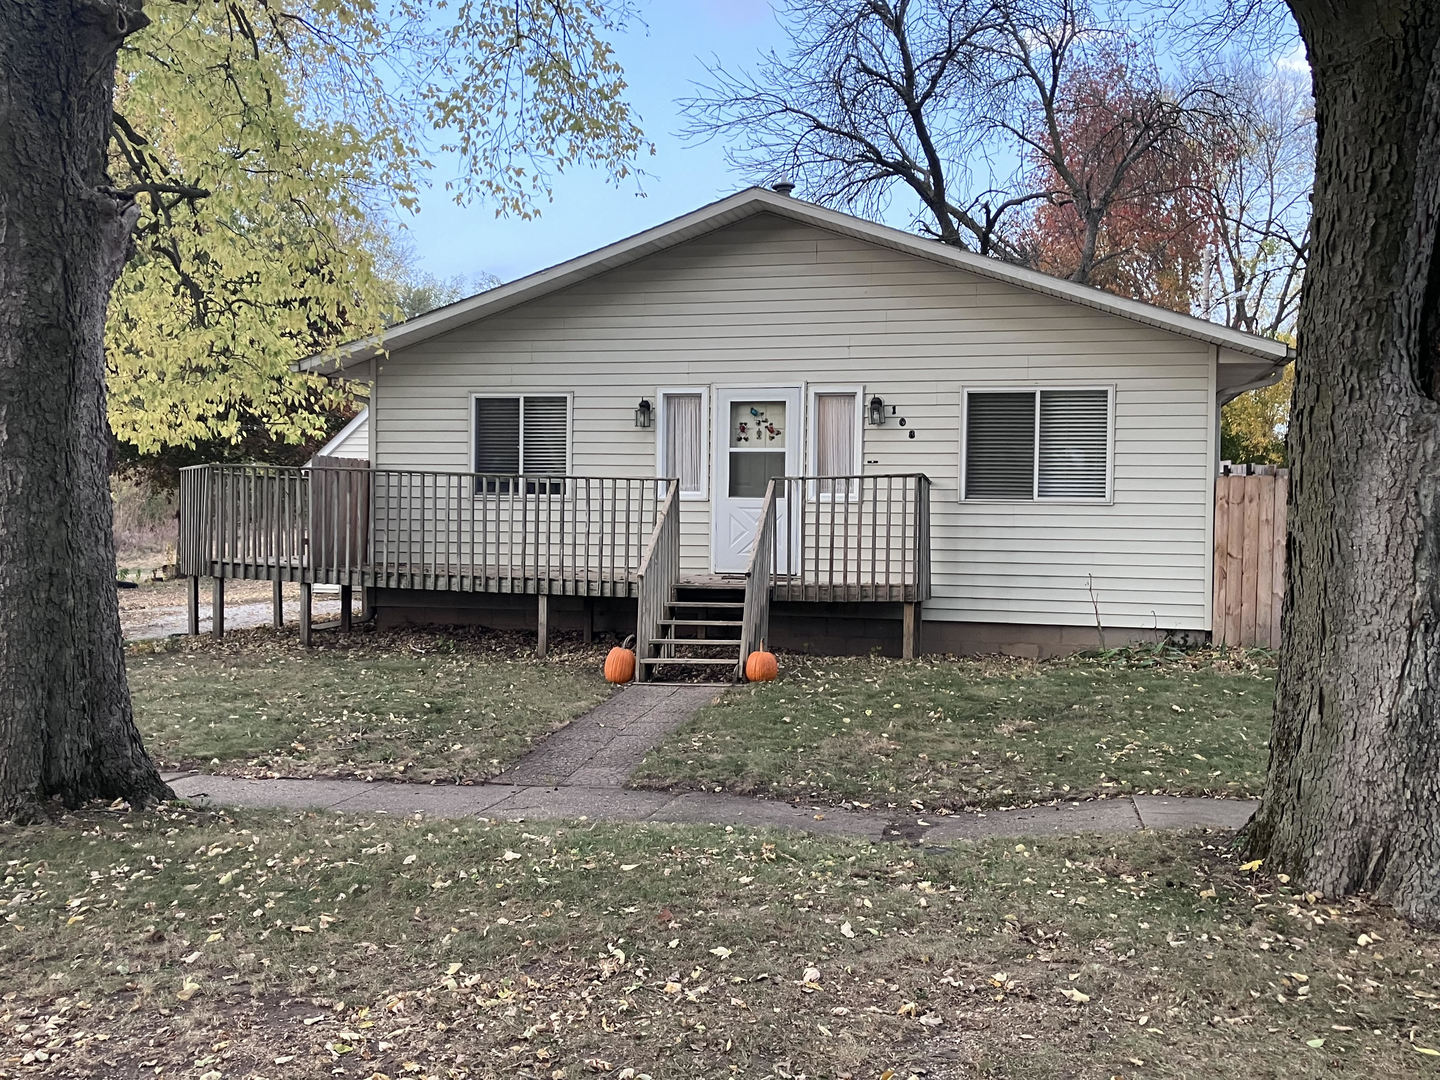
x: 782, y: 187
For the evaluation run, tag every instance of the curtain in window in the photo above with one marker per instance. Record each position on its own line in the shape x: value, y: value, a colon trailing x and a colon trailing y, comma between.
x: 684, y: 440
x: 836, y: 453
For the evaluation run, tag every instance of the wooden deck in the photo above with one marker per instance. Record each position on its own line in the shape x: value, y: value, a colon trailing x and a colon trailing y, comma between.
x: 857, y: 539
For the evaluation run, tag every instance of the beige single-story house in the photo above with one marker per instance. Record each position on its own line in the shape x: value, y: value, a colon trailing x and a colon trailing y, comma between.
x: 767, y: 419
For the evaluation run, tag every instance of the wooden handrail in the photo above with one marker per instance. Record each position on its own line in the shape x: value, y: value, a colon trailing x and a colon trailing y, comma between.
x: 755, y: 622
x: 659, y: 573
x: 922, y: 537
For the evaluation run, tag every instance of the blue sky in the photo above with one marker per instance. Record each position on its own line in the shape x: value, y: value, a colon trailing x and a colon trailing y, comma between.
x: 662, y: 60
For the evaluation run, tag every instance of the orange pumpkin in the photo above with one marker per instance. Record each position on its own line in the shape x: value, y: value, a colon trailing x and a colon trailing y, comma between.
x: 620, y: 664
x: 761, y: 666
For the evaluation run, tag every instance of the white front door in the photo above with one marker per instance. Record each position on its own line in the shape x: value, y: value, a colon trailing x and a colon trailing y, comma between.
x: 757, y: 437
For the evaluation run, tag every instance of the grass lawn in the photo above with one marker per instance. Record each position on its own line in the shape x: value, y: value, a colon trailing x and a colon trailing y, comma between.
x: 981, y: 733
x: 212, y: 946
x: 412, y: 706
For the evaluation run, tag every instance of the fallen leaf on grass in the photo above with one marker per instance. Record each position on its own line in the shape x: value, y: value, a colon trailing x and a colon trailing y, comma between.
x: 846, y: 929
x: 722, y: 952
x: 1075, y: 995
x: 188, y: 990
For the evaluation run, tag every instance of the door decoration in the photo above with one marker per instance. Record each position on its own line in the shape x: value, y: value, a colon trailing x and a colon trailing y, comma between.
x: 759, y: 428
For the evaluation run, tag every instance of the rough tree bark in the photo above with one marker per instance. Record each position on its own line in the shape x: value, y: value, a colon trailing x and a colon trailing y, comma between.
x: 1353, y: 799
x: 66, y: 728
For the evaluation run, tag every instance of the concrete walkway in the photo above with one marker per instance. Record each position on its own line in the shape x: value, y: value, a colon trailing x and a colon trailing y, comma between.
x: 507, y: 802
x: 580, y: 772
x: 603, y: 747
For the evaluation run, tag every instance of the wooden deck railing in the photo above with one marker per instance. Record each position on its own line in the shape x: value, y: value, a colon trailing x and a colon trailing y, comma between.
x: 234, y: 517
x: 755, y: 622
x: 659, y: 572
x: 406, y: 529
x: 831, y: 539
x: 853, y: 538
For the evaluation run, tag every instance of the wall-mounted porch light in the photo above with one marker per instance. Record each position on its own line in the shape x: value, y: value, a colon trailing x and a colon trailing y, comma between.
x: 644, y: 412
x: 877, y: 411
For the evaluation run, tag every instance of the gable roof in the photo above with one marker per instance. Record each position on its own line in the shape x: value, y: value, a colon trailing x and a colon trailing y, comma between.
x: 338, y: 439
x: 747, y: 204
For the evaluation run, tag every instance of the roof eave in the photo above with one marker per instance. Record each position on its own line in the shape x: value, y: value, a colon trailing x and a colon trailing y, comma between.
x: 745, y: 204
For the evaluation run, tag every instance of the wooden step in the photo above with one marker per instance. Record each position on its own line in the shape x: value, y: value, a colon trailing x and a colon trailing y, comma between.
x: 701, y: 622
x: 735, y: 604
x: 712, y: 660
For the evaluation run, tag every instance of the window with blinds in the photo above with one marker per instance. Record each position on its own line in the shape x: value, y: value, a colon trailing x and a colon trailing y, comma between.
x: 527, y: 434
x: 1074, y: 440
x: 1037, y: 444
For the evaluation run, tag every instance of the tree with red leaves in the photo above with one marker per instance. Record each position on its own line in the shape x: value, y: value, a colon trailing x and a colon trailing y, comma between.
x: 1123, y: 165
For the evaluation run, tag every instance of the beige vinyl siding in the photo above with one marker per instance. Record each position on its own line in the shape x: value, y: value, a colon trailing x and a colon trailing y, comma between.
x: 351, y: 441
x: 356, y: 443
x: 769, y: 301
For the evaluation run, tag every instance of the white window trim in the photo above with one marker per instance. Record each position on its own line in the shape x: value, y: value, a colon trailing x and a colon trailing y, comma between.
x: 1037, y: 388
x: 661, y: 393
x: 569, y: 396
x: 812, y: 415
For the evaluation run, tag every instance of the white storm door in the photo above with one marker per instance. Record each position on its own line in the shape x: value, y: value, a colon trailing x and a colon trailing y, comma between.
x: 757, y: 438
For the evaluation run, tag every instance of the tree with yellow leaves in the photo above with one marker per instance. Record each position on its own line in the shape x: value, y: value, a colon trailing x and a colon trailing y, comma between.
x: 221, y: 160
x: 1254, y: 425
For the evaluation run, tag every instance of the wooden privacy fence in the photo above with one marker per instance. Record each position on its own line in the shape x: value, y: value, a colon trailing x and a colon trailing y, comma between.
x: 1250, y: 558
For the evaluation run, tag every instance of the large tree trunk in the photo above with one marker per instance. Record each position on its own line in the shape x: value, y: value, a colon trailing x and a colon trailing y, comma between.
x: 1353, y: 800
x: 66, y: 729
